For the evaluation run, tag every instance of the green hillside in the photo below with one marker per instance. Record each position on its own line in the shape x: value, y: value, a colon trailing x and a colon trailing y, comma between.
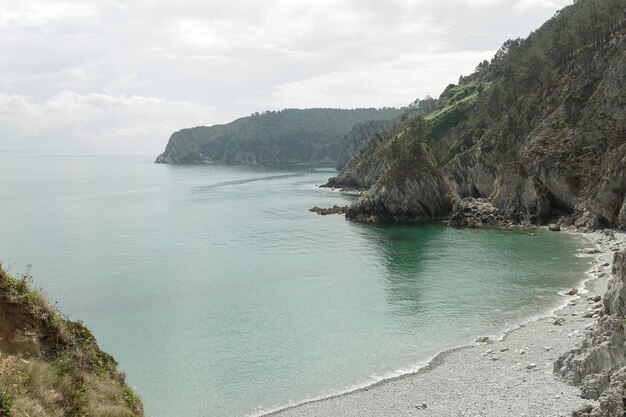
x: 271, y: 137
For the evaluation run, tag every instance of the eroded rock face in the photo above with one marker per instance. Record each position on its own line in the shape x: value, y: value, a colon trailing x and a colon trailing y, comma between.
x: 471, y: 175
x: 424, y: 195
x: 615, y: 298
x: 599, y: 365
x: 608, y: 200
x: 518, y: 196
x: 611, y: 400
x: 621, y: 218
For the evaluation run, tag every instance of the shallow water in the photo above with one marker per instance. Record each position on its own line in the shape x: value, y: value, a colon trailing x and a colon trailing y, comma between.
x: 221, y: 295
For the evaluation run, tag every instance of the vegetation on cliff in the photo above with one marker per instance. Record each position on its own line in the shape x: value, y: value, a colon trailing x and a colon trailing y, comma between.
x: 51, y: 366
x: 362, y: 134
x: 540, y: 130
x: 272, y: 137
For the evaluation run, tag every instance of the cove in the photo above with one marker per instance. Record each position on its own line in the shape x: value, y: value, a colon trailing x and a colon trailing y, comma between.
x: 220, y: 295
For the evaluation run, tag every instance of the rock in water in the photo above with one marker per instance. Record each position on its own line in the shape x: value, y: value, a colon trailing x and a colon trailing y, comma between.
x: 573, y: 291
x: 329, y: 210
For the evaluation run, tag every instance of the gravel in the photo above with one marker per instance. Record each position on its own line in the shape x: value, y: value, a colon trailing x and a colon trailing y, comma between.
x: 508, y: 377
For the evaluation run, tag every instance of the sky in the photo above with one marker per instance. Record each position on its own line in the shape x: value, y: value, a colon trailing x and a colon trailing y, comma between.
x: 109, y: 77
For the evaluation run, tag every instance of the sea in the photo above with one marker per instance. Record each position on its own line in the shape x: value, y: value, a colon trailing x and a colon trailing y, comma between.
x: 220, y: 294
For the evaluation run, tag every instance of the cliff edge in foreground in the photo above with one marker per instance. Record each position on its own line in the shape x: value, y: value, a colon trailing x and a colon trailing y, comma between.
x: 51, y: 366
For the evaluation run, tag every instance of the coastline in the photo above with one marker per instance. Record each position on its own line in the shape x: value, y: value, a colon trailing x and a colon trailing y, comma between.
x: 493, y: 378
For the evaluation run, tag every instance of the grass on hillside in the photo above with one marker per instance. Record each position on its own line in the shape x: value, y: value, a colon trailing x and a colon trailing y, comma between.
x: 51, y: 366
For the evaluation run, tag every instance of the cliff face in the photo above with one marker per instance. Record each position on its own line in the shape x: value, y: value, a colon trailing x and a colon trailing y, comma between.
x: 357, y: 139
x: 540, y: 131
x: 572, y: 161
x: 53, y: 367
x: 365, y: 168
x: 288, y: 136
x: 599, y: 365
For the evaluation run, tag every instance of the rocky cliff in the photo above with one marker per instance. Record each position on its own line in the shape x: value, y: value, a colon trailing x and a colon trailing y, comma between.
x: 51, y: 366
x: 599, y: 365
x: 288, y: 136
x: 422, y: 195
x: 539, y: 131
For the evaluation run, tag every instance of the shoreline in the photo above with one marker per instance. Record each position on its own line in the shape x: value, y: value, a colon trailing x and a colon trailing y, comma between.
x: 363, y: 400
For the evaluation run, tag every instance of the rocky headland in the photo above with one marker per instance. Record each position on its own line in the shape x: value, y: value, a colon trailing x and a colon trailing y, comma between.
x: 538, y: 132
x: 292, y: 136
x: 424, y: 196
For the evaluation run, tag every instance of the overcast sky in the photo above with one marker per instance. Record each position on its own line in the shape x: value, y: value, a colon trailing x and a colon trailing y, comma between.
x: 118, y: 77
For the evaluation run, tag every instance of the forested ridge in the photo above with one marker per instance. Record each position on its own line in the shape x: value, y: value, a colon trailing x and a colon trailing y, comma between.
x: 287, y: 136
x: 539, y: 130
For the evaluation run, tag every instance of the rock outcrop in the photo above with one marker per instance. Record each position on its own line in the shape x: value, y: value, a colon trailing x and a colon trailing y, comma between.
x: 423, y: 196
x: 599, y: 365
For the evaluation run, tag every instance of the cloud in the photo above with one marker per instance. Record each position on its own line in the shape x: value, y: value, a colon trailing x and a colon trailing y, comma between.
x: 233, y: 56
x: 43, y: 12
x: 95, y: 122
x: 516, y: 4
x: 543, y: 4
x: 402, y: 79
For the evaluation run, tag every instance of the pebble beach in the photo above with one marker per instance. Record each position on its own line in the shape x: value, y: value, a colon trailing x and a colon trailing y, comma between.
x: 511, y: 376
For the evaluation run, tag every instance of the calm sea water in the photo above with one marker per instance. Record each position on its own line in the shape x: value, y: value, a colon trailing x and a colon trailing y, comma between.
x: 221, y: 295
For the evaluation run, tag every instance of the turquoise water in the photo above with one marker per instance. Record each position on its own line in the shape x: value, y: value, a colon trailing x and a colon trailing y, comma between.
x: 220, y: 295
